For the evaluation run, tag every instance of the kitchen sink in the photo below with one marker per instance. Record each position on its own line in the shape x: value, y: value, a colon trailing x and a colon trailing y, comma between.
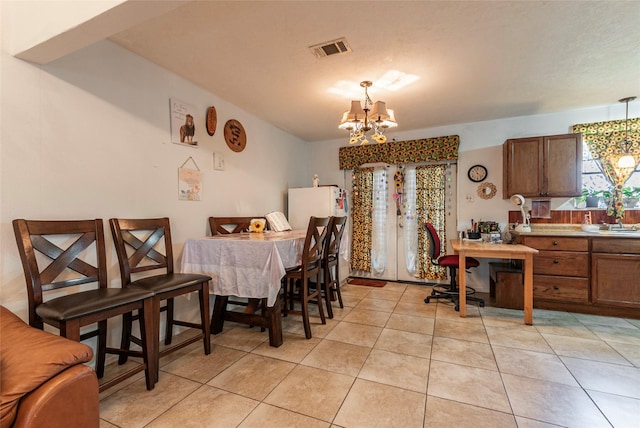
x: 620, y: 232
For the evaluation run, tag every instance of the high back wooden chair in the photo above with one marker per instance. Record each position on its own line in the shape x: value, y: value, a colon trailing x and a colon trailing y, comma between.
x: 225, y: 225
x: 451, y: 291
x: 143, y: 246
x: 331, y: 262
x: 70, y: 255
x: 296, y: 280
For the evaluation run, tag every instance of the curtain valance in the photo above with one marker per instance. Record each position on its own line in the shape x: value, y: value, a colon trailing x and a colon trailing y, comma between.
x: 401, y: 152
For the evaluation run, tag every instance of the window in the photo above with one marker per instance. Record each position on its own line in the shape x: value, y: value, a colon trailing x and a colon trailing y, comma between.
x: 594, y: 179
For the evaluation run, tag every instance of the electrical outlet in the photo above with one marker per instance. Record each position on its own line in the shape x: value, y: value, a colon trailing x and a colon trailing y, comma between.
x: 469, y: 198
x: 218, y: 162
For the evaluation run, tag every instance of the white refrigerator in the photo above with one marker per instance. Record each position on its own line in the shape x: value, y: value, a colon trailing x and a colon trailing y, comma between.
x: 322, y: 201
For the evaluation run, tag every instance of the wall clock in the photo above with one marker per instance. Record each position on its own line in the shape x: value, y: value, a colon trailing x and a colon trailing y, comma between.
x: 234, y: 135
x: 477, y: 173
x: 212, y: 120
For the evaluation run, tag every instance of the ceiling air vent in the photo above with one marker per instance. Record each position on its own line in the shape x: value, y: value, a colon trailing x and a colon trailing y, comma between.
x: 334, y: 47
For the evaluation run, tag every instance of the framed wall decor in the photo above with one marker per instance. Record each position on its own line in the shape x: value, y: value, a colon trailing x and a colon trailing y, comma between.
x: 212, y: 120
x: 183, y: 123
x: 235, y: 136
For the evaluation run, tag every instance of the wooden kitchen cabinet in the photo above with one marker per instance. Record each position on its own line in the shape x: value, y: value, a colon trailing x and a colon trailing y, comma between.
x: 561, y: 268
x: 547, y: 166
x: 615, y: 268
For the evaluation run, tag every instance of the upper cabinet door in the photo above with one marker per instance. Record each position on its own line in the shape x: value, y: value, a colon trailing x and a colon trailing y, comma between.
x: 549, y: 166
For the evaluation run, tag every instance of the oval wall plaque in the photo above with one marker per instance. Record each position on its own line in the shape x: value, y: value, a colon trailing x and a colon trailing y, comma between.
x: 235, y: 136
x: 212, y: 120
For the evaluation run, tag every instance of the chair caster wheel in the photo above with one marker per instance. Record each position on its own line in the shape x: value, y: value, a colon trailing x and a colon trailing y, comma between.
x: 456, y: 308
x: 427, y: 300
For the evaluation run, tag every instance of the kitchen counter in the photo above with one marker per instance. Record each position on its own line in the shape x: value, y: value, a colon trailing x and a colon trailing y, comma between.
x: 575, y: 230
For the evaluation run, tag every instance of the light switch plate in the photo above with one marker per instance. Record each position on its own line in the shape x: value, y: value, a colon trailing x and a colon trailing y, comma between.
x: 218, y: 162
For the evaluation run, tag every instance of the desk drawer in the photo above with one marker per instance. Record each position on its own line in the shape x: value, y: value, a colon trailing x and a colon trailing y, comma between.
x: 554, y: 243
x: 563, y: 263
x: 560, y: 288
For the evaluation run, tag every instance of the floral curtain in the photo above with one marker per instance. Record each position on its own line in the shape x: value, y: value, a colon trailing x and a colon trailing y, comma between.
x: 430, y: 206
x: 362, y: 217
x: 401, y: 152
x: 604, y: 140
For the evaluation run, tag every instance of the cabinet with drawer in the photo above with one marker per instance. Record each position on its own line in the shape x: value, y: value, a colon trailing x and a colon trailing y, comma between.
x: 615, y: 267
x: 561, y: 268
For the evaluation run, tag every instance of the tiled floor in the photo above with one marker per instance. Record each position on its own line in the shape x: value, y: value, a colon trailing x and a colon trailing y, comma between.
x: 389, y: 360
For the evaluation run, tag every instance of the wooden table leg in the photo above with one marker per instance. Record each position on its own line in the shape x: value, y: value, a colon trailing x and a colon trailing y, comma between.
x: 219, y: 309
x: 528, y: 289
x: 462, y: 285
x: 273, y: 316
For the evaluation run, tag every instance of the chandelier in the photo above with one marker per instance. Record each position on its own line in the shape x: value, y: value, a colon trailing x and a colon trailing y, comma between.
x: 627, y: 160
x: 374, y: 117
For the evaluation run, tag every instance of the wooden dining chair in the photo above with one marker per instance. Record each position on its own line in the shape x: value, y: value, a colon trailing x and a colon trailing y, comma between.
x: 69, y: 257
x: 296, y: 280
x: 331, y: 262
x: 142, y: 246
x: 225, y: 225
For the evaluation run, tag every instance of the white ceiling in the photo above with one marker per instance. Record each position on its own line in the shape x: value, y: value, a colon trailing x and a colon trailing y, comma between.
x: 476, y: 61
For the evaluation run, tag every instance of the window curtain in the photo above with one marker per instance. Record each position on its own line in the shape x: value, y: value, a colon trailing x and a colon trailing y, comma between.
x: 379, y: 221
x: 431, y: 206
x: 410, y: 220
x: 604, y: 140
x: 362, y: 217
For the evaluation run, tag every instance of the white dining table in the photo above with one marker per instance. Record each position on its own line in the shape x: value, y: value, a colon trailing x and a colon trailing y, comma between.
x: 247, y: 265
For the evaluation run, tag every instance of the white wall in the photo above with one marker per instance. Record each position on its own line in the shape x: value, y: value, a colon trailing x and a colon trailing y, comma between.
x: 88, y: 136
x: 480, y: 143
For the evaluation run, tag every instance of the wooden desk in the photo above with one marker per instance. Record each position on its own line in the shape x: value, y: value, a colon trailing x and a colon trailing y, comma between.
x: 245, y: 265
x: 496, y: 251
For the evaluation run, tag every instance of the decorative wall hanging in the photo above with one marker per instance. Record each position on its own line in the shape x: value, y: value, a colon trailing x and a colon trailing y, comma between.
x: 212, y: 120
x: 486, y: 190
x: 183, y: 120
x: 401, y: 152
x: 235, y: 136
x: 189, y: 182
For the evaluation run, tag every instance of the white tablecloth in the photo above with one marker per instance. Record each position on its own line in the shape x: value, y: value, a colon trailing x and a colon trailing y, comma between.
x: 244, y: 264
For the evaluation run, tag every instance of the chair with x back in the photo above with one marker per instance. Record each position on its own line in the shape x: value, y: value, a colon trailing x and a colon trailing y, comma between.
x: 451, y: 291
x: 225, y: 225
x: 331, y: 263
x: 144, y: 245
x: 71, y: 255
x: 296, y: 280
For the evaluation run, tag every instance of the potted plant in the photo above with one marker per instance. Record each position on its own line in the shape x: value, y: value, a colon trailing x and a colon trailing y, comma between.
x: 630, y: 196
x: 606, y: 195
x: 591, y: 197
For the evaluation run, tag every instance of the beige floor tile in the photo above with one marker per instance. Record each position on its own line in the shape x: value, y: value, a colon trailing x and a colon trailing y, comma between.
x: 633, y: 322
x: 395, y: 286
x: 584, y: 348
x: 614, y: 333
x: 367, y: 317
x: 621, y: 411
x: 105, y: 424
x: 411, y: 323
x: 443, y: 413
x: 573, y: 329
x: 590, y: 320
x: 266, y: 416
x: 201, y: 368
x: 446, y: 310
x: 521, y: 337
x: 404, y: 342
x: 415, y: 294
x: 241, y: 338
x: 501, y: 317
x: 371, y: 404
x: 253, y: 376
x: 134, y: 406
x: 530, y: 423
x: 470, y: 385
x: 403, y: 371
x: 460, y: 330
x: 337, y: 357
x: 338, y: 312
x: 605, y: 377
x: 293, y: 349
x: 536, y: 365
x: 357, y: 334
x: 419, y: 309
x: 207, y: 407
x: 463, y: 352
x: 312, y: 392
x: 386, y: 294
x: 376, y: 304
x: 357, y: 292
x: 552, y: 402
x: 113, y: 369
x: 293, y: 324
x: 629, y: 351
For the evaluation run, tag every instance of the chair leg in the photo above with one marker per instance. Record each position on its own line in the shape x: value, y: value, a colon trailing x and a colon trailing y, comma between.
x: 149, y: 322
x: 318, y: 294
x: 203, y: 295
x: 327, y: 282
x: 304, y: 302
x: 125, y: 341
x: 102, y: 348
x: 169, y: 327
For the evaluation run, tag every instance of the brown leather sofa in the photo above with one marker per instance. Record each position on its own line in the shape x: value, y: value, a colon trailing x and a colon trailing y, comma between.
x: 43, y: 382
